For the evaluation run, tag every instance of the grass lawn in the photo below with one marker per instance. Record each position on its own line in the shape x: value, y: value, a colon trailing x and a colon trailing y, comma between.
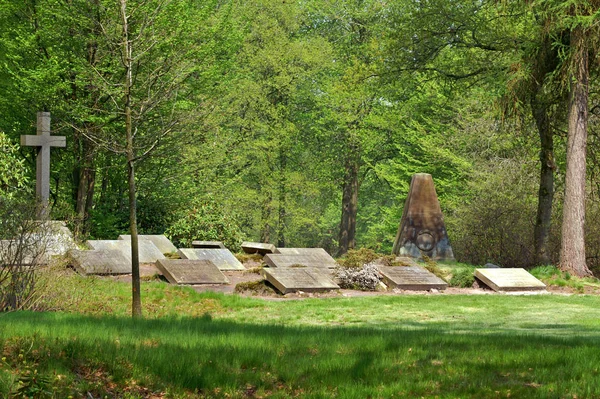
x: 224, y: 346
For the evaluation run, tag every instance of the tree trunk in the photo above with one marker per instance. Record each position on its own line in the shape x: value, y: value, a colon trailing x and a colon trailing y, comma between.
x: 282, y: 200
x: 572, y: 251
x: 546, y: 190
x: 349, y: 207
x: 265, y: 233
x: 136, y: 306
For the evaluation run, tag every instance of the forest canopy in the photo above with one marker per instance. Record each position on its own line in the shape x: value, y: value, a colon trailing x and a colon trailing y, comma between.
x: 301, y: 123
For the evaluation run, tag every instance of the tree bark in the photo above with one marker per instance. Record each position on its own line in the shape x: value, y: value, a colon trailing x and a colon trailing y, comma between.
x: 546, y: 190
x: 136, y: 306
x: 282, y: 199
x: 349, y: 207
x: 86, y: 179
x: 572, y: 253
x: 265, y: 233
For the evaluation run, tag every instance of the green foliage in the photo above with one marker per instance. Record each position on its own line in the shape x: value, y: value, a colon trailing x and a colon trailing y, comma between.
x: 462, y: 278
x: 205, y: 220
x: 259, y: 287
x: 356, y: 258
x: 553, y: 276
x: 12, y: 168
x: 434, y: 268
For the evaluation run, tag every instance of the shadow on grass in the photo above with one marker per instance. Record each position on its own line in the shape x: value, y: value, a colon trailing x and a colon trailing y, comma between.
x: 223, y: 358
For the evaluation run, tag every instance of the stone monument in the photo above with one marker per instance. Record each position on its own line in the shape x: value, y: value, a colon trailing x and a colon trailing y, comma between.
x: 413, y: 278
x: 292, y: 279
x: 422, y: 230
x: 510, y: 279
x: 258, y: 247
x: 44, y: 142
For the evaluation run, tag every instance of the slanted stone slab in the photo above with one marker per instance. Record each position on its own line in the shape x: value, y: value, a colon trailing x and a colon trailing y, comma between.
x: 413, y: 278
x: 103, y: 261
x: 222, y: 258
x: 188, y: 271
x: 148, y: 252
x: 49, y: 239
x: 208, y: 244
x: 161, y: 241
x: 258, y: 247
x: 57, y: 238
x: 18, y: 252
x: 314, y: 261
x: 509, y: 280
x: 306, y: 251
x: 292, y: 279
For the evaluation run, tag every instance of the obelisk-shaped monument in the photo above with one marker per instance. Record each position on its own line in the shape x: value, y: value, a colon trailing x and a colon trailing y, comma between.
x: 422, y: 230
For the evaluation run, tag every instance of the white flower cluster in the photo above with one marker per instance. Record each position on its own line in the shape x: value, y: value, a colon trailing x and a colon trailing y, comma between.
x: 363, y: 278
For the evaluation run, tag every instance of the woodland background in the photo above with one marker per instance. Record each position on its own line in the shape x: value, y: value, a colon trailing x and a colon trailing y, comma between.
x: 301, y: 123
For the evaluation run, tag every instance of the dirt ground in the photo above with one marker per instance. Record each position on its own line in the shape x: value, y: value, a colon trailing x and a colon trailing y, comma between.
x: 148, y: 272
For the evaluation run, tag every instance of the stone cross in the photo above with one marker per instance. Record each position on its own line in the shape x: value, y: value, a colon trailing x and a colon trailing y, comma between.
x: 44, y: 141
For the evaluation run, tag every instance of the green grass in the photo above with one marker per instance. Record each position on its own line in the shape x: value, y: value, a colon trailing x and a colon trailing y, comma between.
x: 214, y: 345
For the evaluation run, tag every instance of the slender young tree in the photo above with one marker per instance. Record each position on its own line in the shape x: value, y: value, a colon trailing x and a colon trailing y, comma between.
x: 146, y: 70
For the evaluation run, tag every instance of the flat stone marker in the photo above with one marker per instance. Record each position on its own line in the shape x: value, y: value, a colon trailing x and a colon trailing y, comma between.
x: 188, y: 271
x: 509, y: 280
x: 292, y: 279
x: 222, y: 258
x: 305, y: 251
x: 208, y: 244
x: 413, y: 278
x: 53, y: 238
x: 14, y: 252
x: 148, y: 252
x: 59, y: 240
x: 161, y: 241
x: 315, y: 261
x: 103, y: 261
x: 258, y: 247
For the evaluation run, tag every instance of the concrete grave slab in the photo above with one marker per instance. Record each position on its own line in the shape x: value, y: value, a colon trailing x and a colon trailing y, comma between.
x: 17, y: 252
x: 188, y: 271
x: 208, y: 244
x: 161, y: 241
x: 292, y: 279
x: 509, y: 279
x: 50, y: 238
x: 305, y: 251
x: 413, y: 278
x: 148, y: 252
x: 222, y: 258
x: 103, y: 261
x: 58, y: 238
x: 315, y: 261
x: 258, y: 247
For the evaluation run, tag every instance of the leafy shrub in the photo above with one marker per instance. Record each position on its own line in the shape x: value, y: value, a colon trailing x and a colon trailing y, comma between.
x: 207, y: 221
x: 363, y: 278
x: 12, y: 168
x: 433, y: 267
x: 358, y: 257
x: 494, y: 223
x: 545, y: 272
x: 259, y: 287
x: 462, y: 278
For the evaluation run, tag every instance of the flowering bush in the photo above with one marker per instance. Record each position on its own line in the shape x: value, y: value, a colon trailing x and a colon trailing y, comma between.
x: 363, y: 278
